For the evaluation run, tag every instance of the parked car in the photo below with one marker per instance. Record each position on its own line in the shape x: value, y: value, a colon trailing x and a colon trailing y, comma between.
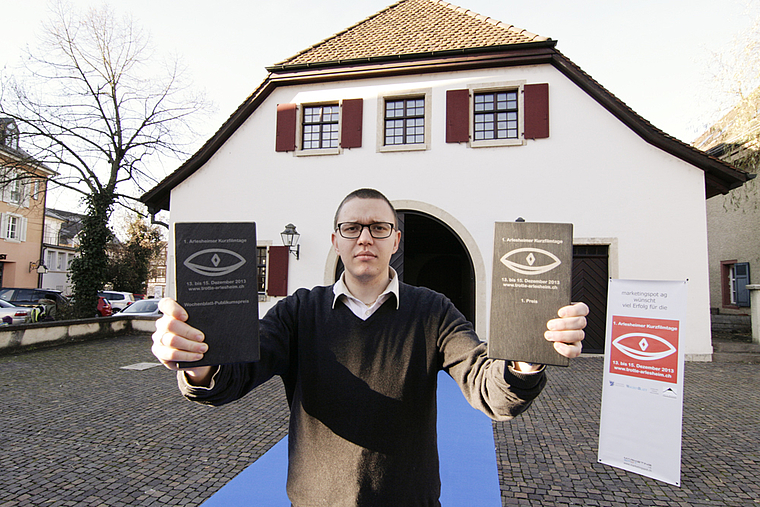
x: 105, y: 309
x: 52, y: 302
x: 118, y: 300
x: 145, y: 307
x: 138, y: 297
x: 12, y: 314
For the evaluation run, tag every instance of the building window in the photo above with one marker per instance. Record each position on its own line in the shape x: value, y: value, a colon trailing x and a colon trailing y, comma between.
x: 9, y: 133
x: 261, y: 269
x: 15, y: 192
x: 735, y: 278
x: 13, y: 227
x: 495, y: 115
x: 320, y: 127
x: 405, y: 121
x: 324, y: 129
x: 14, y: 188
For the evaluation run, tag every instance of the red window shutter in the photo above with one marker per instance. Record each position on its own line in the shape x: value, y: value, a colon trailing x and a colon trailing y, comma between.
x: 277, y: 267
x: 457, y: 116
x: 351, y: 123
x: 536, y: 99
x: 286, y: 127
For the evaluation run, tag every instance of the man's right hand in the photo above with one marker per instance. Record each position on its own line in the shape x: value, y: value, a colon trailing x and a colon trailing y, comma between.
x: 176, y: 341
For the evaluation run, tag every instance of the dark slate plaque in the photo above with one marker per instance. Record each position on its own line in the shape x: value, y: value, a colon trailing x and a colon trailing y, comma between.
x: 215, y: 267
x: 532, y: 273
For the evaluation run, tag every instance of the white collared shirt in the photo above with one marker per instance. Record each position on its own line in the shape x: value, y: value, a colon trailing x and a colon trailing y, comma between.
x: 358, y: 307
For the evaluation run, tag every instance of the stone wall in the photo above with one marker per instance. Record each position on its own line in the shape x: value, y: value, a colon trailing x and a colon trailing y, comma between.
x: 47, y: 334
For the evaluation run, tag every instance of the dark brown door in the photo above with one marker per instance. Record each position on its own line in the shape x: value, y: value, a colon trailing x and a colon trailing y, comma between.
x: 590, y: 280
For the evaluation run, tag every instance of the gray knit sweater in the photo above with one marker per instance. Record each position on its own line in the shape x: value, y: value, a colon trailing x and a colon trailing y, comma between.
x: 362, y: 393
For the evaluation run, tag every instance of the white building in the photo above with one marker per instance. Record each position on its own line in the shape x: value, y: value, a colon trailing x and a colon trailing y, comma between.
x: 397, y: 98
x: 59, y: 247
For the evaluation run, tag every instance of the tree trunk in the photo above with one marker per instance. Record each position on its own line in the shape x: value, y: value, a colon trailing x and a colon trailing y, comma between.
x: 89, y: 271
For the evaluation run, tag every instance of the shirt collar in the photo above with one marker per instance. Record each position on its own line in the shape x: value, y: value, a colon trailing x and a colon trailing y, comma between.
x: 340, y: 288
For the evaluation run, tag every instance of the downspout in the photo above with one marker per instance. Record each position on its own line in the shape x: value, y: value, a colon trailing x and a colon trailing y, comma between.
x: 42, y: 235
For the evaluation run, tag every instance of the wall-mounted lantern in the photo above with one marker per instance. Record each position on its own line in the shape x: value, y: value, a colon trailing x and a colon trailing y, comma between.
x: 39, y: 266
x: 290, y: 239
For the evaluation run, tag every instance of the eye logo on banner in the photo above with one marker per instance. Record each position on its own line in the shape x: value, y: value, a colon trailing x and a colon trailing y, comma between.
x: 530, y: 259
x: 644, y: 342
x: 645, y: 348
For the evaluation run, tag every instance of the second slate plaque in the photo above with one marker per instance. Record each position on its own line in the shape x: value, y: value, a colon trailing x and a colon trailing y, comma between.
x: 532, y: 276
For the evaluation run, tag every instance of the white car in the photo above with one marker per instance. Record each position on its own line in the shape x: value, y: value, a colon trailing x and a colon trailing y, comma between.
x: 12, y: 314
x: 143, y: 307
x: 118, y: 300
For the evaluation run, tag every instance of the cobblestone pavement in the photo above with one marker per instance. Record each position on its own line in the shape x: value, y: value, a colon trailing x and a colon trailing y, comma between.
x: 78, y: 430
x: 548, y: 455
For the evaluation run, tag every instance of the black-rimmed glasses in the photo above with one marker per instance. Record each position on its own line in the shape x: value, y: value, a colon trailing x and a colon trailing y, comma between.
x: 378, y: 230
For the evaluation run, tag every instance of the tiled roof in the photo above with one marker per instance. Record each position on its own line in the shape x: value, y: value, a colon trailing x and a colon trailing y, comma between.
x: 739, y: 126
x: 413, y: 27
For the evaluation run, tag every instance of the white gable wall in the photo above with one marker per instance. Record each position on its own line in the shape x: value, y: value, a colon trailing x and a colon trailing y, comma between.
x: 592, y: 171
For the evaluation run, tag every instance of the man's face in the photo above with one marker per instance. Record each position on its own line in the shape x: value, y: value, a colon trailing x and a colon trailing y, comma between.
x: 366, y: 258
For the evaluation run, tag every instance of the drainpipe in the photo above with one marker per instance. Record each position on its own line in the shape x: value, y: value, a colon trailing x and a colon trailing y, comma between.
x: 42, y: 235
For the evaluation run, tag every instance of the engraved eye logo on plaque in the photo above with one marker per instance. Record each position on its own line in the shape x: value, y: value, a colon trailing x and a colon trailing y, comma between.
x: 214, y: 262
x: 530, y: 267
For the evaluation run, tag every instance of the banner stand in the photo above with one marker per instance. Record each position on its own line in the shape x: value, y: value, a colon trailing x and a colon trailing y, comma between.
x: 642, y: 395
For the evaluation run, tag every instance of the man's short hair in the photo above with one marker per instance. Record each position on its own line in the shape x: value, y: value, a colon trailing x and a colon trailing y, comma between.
x: 364, y: 193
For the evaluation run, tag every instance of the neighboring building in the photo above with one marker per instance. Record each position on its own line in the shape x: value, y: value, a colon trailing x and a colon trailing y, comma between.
x: 60, y: 245
x: 23, y: 186
x: 733, y: 220
x: 156, y: 287
x: 462, y: 121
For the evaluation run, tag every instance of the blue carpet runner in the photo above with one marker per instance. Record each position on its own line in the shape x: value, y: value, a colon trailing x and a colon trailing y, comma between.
x: 469, y: 474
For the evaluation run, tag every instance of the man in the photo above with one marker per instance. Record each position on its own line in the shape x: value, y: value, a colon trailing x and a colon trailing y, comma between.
x: 359, y: 361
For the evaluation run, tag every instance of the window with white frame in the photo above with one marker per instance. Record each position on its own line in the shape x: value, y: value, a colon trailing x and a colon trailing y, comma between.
x: 261, y: 269
x: 15, y: 192
x: 735, y: 277
x: 14, y: 189
x: 13, y: 227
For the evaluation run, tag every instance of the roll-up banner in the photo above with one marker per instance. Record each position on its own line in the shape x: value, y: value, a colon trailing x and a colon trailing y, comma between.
x: 642, y: 396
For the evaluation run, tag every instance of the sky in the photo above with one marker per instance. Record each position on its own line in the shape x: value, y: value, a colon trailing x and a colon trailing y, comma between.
x: 652, y: 54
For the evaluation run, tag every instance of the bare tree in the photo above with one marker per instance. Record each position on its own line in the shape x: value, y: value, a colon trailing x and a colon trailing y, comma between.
x: 735, y: 78
x: 94, y: 104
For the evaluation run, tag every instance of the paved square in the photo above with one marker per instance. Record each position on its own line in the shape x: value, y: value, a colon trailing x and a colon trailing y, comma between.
x: 78, y: 429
